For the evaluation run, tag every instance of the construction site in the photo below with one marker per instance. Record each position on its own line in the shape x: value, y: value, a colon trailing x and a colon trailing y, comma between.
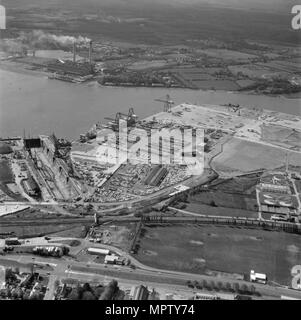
x: 128, y: 159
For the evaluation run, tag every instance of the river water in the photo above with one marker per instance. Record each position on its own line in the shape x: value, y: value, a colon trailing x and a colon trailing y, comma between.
x: 39, y: 105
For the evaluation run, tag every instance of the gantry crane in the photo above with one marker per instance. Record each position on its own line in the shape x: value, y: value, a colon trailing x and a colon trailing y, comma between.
x: 168, y: 103
x: 130, y: 118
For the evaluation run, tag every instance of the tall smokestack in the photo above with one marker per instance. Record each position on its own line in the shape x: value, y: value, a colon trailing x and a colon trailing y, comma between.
x: 74, y: 51
x: 90, y: 52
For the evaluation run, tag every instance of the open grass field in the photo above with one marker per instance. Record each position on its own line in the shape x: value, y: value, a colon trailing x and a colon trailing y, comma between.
x: 225, y: 199
x: 234, y: 197
x: 255, y: 71
x: 281, y: 135
x: 245, y: 156
x: 23, y: 267
x: 290, y: 66
x: 204, y: 78
x: 201, y: 208
x: 227, y: 85
x: 228, y: 54
x: 244, y: 184
x: 73, y: 232
x: 31, y: 213
x: 201, y: 249
x: 142, y: 65
x: 35, y: 231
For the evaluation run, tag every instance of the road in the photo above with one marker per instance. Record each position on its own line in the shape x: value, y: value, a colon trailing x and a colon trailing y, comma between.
x: 51, y: 287
x: 67, y: 267
x: 296, y: 192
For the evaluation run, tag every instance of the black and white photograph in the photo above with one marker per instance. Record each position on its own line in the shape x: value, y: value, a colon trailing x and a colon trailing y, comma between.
x: 150, y: 153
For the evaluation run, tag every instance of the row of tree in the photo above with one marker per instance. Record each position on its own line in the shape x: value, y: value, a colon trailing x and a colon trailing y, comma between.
x: 220, y: 286
x: 86, y: 292
x: 19, y: 294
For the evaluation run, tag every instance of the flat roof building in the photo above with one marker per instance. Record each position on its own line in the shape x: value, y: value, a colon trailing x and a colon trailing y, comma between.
x: 275, y: 188
x: 71, y: 68
x: 31, y: 187
x: 111, y: 259
x: 98, y: 251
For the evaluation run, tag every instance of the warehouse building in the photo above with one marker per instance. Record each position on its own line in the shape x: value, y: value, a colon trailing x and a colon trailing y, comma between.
x: 31, y: 187
x: 71, y: 68
x: 111, y: 259
x: 156, y: 176
x: 268, y: 187
x: 98, y: 251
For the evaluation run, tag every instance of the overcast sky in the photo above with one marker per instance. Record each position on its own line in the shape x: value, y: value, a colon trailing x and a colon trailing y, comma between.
x: 264, y: 5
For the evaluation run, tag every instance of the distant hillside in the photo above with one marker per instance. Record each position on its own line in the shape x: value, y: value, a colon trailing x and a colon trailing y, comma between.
x: 164, y: 21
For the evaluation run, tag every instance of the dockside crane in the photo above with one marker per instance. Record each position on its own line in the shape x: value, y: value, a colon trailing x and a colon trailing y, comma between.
x: 168, y: 103
x: 234, y: 108
x: 130, y: 118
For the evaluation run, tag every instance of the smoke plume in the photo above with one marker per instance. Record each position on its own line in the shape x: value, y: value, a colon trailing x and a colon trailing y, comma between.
x: 38, y: 39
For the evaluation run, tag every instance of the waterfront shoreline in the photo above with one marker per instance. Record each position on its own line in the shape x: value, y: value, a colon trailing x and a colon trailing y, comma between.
x: 19, y: 68
x: 40, y: 106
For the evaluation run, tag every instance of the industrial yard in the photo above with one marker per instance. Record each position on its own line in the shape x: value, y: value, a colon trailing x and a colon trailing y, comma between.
x: 120, y: 235
x: 101, y: 168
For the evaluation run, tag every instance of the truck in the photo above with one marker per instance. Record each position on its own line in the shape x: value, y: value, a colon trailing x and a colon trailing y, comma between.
x: 279, y: 218
x: 12, y: 242
x: 258, y: 277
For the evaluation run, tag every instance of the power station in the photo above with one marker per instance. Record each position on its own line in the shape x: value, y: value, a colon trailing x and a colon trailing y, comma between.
x: 73, y: 71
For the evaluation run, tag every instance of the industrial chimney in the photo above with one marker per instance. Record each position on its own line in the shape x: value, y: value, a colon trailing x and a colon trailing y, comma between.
x: 74, y: 51
x: 90, y: 52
